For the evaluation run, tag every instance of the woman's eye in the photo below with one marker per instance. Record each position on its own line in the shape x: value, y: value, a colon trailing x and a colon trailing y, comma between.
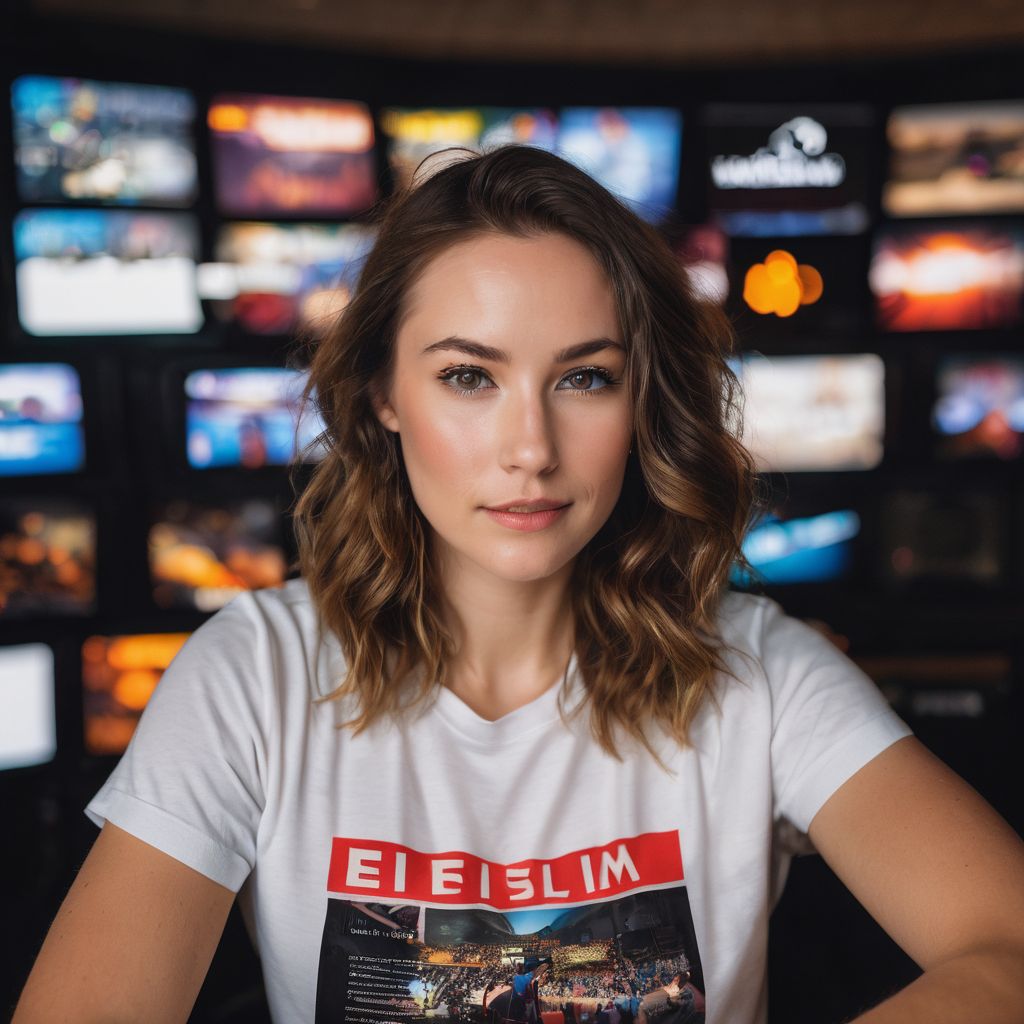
x: 581, y: 379
x: 462, y: 380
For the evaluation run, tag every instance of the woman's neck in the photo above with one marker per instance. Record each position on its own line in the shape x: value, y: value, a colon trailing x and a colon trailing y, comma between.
x: 513, y: 639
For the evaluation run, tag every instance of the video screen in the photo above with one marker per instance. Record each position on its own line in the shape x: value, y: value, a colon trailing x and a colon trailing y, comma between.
x: 703, y: 253
x: 781, y: 170
x: 809, y: 549
x: 979, y: 406
x: 107, y: 142
x: 935, y: 538
x: 106, y: 272
x: 248, y: 417
x: 633, y: 151
x: 415, y: 134
x: 289, y: 154
x: 119, y: 675
x: 47, y: 558
x: 954, y: 158
x: 40, y: 419
x: 28, y: 717
x: 276, y: 278
x: 958, y: 276
x: 813, y: 413
x: 203, y: 555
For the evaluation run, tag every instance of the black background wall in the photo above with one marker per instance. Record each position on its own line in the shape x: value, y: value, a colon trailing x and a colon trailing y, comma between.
x: 828, y: 959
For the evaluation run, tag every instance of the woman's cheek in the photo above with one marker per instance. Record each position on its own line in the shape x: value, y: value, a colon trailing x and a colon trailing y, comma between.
x: 444, y: 443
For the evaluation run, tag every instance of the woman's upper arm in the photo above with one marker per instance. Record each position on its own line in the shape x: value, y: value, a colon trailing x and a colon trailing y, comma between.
x: 932, y: 862
x: 132, y: 941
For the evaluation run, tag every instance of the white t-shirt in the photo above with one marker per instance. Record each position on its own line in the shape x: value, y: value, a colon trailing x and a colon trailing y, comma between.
x: 401, y: 873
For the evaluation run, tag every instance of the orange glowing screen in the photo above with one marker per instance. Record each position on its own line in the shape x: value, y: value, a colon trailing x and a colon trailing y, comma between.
x: 119, y: 675
x: 945, y: 279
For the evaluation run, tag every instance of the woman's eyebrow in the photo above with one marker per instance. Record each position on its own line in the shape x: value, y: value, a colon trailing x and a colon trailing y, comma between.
x: 498, y: 355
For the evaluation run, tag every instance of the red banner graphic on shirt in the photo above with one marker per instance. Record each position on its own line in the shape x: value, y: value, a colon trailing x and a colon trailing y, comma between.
x: 372, y: 870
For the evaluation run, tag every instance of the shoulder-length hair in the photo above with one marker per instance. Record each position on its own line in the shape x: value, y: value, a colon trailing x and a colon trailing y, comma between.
x: 646, y: 587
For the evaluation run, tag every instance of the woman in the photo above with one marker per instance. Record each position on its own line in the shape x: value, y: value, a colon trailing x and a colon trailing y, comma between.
x: 512, y: 687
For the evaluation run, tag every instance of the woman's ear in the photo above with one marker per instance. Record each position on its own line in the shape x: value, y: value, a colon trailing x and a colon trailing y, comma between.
x: 382, y: 407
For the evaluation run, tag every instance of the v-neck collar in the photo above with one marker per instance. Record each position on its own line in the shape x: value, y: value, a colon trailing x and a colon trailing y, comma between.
x: 511, y: 726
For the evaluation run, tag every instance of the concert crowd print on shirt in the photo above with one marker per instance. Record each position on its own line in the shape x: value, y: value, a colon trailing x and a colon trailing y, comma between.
x: 601, y: 935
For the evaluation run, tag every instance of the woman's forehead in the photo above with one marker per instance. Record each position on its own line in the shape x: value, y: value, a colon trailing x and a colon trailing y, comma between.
x: 547, y: 284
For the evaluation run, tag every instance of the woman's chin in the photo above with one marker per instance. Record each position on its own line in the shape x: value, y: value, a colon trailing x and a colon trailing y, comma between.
x: 519, y: 570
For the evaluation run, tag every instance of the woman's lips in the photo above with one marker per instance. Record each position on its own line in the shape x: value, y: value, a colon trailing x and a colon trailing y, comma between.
x: 527, y: 521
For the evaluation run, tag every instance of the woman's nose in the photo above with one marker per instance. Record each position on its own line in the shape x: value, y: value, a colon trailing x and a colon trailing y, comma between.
x: 527, y: 435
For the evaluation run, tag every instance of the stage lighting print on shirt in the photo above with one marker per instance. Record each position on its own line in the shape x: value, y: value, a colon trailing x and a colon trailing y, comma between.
x: 600, y: 935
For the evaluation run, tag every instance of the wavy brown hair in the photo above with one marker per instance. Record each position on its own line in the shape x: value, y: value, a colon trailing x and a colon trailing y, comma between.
x: 646, y: 587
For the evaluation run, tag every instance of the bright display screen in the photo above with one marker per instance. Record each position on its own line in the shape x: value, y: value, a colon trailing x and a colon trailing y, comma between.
x: 634, y: 152
x: 275, y: 278
x: 287, y: 154
x: 40, y: 419
x: 47, y: 558
x: 28, y: 720
x: 415, y: 134
x: 109, y: 142
x: 106, y: 272
x: 979, y: 406
x: 953, y: 158
x: 957, y: 276
x: 203, y: 555
x: 248, y: 417
x: 813, y: 413
x: 809, y: 549
x: 119, y: 675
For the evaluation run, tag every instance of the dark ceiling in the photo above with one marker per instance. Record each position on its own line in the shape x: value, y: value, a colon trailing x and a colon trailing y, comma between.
x: 668, y: 32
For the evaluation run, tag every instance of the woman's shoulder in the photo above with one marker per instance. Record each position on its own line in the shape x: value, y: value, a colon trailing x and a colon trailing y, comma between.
x: 272, y: 631
x: 292, y: 595
x: 767, y: 645
x: 743, y: 619
x: 283, y: 611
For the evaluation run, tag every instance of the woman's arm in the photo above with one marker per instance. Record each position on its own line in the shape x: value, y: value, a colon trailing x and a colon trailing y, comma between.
x: 132, y: 940
x: 943, y: 874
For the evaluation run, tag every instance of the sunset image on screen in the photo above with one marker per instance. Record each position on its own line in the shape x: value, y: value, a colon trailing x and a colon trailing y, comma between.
x: 969, y: 278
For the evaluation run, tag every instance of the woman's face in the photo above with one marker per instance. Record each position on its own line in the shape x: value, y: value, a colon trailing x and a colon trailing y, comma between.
x: 508, y: 386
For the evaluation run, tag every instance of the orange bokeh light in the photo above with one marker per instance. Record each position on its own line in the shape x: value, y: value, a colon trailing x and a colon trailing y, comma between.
x: 780, y: 285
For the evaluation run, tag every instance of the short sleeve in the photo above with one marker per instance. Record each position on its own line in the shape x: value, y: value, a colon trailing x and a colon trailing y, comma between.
x: 191, y: 782
x: 829, y: 719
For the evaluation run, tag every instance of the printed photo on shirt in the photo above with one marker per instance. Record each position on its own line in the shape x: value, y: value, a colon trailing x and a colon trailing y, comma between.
x: 457, y: 950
